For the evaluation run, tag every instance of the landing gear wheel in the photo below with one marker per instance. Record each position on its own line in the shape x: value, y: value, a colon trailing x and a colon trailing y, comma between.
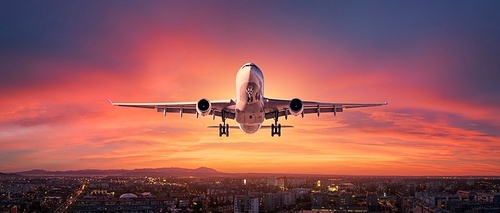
x: 276, y: 130
x: 276, y: 127
x: 223, y: 130
x: 220, y: 130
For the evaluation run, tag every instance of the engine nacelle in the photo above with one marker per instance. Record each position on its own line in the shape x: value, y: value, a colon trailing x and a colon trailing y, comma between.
x: 203, y: 107
x: 296, y: 107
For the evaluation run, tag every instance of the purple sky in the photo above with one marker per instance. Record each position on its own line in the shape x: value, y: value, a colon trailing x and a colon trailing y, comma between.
x: 438, y: 63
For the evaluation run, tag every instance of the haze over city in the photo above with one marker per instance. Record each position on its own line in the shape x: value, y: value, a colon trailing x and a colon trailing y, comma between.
x: 436, y: 62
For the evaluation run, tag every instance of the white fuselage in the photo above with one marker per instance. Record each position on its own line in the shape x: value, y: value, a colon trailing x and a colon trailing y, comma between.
x: 249, y: 112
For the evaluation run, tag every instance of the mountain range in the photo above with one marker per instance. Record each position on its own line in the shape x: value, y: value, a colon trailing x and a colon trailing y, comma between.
x: 168, y: 172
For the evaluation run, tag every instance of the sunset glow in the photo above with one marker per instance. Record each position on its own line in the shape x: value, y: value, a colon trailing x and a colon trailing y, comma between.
x: 436, y: 63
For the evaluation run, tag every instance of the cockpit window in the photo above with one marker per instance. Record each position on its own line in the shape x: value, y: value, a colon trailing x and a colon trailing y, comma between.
x: 249, y: 65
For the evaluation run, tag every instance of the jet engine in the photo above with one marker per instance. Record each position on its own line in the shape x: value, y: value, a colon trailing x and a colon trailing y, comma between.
x: 296, y: 106
x: 203, y: 107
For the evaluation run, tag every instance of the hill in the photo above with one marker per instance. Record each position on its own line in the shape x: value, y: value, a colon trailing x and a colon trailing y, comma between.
x: 166, y: 172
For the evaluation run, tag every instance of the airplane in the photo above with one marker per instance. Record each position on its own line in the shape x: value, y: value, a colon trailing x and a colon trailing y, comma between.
x: 250, y: 108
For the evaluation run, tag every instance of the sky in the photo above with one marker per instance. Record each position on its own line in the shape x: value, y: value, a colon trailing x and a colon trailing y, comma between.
x: 437, y: 62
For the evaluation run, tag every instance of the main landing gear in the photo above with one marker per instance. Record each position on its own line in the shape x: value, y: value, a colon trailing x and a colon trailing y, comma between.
x: 276, y: 127
x: 223, y: 128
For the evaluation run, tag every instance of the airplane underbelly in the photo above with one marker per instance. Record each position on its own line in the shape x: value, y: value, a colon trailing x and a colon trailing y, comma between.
x: 250, y: 115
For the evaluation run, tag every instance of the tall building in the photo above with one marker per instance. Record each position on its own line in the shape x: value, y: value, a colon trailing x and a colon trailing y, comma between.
x: 345, y: 198
x: 372, y: 201
x: 246, y: 204
x: 272, y: 202
x: 283, y: 183
x: 272, y: 181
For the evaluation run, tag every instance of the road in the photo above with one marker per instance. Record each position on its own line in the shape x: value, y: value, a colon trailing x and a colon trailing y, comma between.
x: 63, y: 207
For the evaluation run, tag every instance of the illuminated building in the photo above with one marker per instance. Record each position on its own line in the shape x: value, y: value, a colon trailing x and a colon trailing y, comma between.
x: 283, y: 183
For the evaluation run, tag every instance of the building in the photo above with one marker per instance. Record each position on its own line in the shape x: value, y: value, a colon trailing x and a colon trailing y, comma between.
x: 372, y: 201
x: 128, y: 196
x: 139, y: 205
x: 246, y: 204
x: 280, y: 182
x: 272, y: 202
x: 283, y: 183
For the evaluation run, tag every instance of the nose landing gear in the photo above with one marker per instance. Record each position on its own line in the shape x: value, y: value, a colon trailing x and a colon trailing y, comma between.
x: 276, y: 127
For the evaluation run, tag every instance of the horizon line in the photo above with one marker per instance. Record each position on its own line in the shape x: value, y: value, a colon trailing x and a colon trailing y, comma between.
x: 257, y: 173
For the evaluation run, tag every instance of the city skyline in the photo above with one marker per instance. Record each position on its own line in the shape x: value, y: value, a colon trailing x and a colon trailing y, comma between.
x: 435, y: 61
x: 232, y: 194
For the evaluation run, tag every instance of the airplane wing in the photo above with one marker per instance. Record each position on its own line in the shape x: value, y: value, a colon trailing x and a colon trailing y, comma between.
x: 280, y: 108
x: 219, y: 108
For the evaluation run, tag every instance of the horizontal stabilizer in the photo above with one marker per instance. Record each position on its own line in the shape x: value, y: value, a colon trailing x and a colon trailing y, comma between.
x: 269, y: 126
x: 262, y: 127
x: 230, y: 127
